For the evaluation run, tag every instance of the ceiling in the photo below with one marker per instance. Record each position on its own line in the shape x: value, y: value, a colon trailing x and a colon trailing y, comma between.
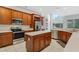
x: 63, y: 10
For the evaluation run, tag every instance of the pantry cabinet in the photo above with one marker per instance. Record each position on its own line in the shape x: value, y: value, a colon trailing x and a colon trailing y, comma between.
x: 6, y: 39
x: 5, y: 15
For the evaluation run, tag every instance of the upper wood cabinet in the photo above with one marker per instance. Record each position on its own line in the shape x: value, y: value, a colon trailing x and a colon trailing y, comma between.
x: 27, y: 18
x: 20, y: 15
x: 17, y: 14
x: 5, y: 15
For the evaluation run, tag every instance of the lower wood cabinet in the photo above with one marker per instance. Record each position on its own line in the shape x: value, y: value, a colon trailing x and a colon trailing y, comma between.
x: 64, y: 36
x: 29, y: 43
x: 6, y: 39
x: 38, y: 42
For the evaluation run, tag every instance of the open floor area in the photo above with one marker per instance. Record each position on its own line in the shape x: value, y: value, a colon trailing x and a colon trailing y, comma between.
x: 20, y: 47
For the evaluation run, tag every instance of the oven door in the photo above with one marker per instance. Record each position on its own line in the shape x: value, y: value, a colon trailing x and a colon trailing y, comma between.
x: 17, y: 35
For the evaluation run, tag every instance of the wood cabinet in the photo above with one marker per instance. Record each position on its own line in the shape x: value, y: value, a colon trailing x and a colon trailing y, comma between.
x: 6, y: 39
x: 38, y: 42
x: 28, y: 41
x: 64, y: 36
x: 47, y: 37
x: 5, y: 15
x: 27, y: 19
x: 17, y: 14
x: 36, y: 18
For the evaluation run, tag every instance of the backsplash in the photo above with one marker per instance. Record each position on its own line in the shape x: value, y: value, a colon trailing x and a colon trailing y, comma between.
x: 8, y: 27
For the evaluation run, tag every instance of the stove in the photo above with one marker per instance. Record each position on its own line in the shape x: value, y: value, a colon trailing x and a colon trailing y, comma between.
x: 17, y: 33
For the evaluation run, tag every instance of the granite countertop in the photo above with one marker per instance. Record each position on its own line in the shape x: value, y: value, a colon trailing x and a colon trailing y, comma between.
x: 4, y: 31
x: 28, y: 29
x: 36, y: 33
x: 73, y: 43
x: 66, y: 30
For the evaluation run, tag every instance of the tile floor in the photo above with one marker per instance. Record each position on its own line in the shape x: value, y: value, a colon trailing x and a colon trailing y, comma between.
x: 20, y: 47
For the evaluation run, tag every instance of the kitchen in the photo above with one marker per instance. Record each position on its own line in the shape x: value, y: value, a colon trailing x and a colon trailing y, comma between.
x: 34, y: 31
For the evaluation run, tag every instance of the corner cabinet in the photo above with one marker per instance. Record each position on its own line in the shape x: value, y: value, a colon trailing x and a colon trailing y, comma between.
x: 6, y: 39
x: 5, y: 15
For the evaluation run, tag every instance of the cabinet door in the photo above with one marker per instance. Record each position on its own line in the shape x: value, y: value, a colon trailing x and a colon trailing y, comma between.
x: 5, y: 15
x: 68, y: 36
x: 14, y: 14
x: 20, y: 15
x: 59, y: 35
x: 42, y: 41
x: 64, y: 37
x: 36, y: 44
x: 29, y: 43
x: 17, y: 14
x: 7, y: 39
x: 25, y: 19
x: 1, y: 40
x: 29, y: 20
x: 47, y: 38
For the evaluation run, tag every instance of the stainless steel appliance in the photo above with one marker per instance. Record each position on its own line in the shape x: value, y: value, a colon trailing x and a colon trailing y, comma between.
x: 17, y: 33
x: 16, y: 21
x: 38, y: 25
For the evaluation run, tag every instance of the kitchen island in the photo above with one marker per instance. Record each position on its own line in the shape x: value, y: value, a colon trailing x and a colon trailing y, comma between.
x: 37, y: 41
x: 62, y: 34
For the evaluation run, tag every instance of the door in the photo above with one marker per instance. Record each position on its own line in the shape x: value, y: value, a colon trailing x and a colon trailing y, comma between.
x: 5, y: 15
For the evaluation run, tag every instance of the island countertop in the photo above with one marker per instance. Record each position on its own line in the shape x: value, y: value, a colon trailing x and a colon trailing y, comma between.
x: 36, y: 33
x: 4, y: 31
x: 66, y: 30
